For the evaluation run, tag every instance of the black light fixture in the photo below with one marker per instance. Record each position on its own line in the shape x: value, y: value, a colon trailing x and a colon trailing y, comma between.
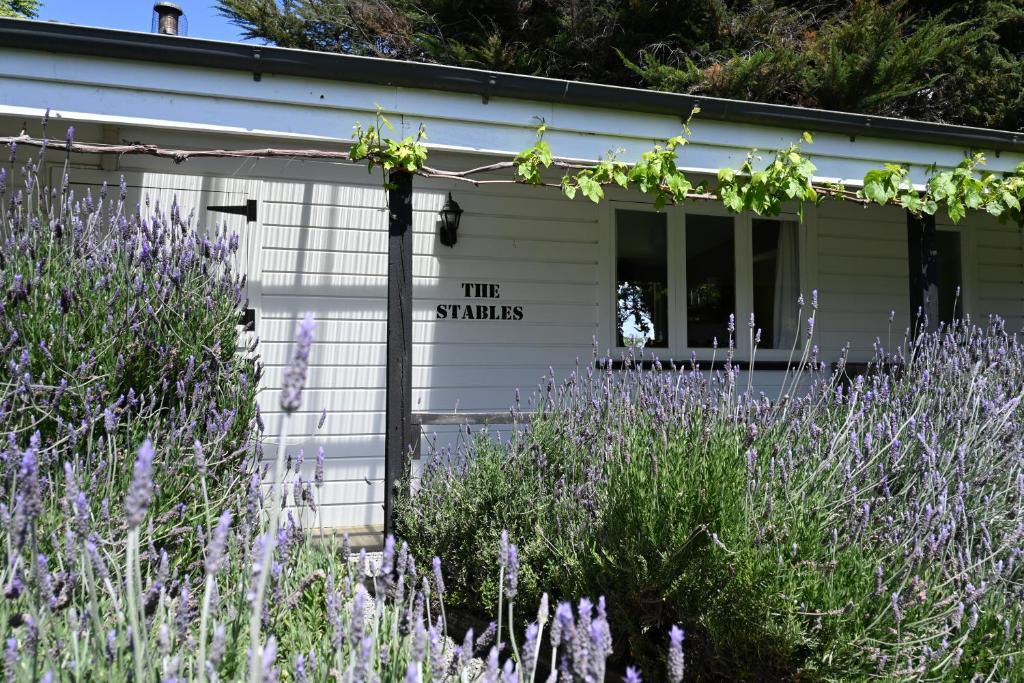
x: 451, y: 214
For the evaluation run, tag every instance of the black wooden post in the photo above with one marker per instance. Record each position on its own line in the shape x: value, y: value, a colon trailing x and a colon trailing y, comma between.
x: 922, y: 252
x: 398, y: 419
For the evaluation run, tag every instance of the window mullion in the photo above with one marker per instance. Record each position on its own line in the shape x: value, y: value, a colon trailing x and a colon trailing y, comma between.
x: 744, y: 284
x: 677, y: 281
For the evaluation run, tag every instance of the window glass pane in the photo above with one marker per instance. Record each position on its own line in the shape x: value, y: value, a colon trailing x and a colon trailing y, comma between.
x: 710, y: 278
x: 641, y: 278
x: 949, y: 274
x: 776, y: 268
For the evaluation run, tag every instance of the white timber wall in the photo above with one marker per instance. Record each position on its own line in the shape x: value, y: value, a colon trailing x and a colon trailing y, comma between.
x: 320, y: 246
x: 325, y: 251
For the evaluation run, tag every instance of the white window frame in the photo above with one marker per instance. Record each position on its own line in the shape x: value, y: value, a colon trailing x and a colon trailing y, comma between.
x: 676, y: 240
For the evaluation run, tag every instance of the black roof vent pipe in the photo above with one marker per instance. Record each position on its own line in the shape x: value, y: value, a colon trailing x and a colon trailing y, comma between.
x: 169, y: 20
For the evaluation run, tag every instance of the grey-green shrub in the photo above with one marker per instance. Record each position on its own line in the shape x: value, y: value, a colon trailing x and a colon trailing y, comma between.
x: 865, y: 527
x: 120, y: 323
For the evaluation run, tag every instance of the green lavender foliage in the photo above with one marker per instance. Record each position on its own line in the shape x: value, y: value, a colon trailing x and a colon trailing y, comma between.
x: 120, y: 323
x: 856, y: 528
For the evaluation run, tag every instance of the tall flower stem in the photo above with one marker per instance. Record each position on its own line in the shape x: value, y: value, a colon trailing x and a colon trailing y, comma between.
x: 256, y: 657
x: 133, y: 611
x: 512, y: 636
x: 203, y: 618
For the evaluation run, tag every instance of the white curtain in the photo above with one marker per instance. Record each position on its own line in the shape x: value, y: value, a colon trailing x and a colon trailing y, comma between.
x: 787, y: 286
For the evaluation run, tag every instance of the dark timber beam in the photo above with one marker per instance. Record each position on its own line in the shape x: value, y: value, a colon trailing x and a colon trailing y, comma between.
x: 398, y: 420
x: 922, y: 252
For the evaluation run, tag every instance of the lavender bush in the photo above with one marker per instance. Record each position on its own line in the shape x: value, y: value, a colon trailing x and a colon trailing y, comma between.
x: 117, y: 324
x: 143, y: 539
x: 849, y: 530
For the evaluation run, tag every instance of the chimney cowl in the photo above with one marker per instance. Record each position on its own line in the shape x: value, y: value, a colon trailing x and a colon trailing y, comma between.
x: 167, y: 16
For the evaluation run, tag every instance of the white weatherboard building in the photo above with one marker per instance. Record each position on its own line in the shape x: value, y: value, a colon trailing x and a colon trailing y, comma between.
x: 533, y: 278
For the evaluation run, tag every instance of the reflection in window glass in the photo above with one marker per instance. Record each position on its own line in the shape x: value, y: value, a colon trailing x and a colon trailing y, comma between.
x: 950, y: 277
x: 641, y: 278
x: 776, y: 269
x: 710, y: 279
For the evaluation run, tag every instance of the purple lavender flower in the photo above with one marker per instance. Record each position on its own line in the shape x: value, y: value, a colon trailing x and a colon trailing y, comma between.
x: 487, y: 637
x: 318, y: 473
x: 508, y: 672
x: 491, y: 670
x: 295, y: 375
x: 675, y: 654
x: 11, y: 659
x: 141, y: 492
x: 529, y: 660
x: 632, y: 675
x: 437, y: 667
x: 563, y: 628
x: 438, y: 577
x: 218, y: 543
x: 512, y: 573
x: 270, y: 673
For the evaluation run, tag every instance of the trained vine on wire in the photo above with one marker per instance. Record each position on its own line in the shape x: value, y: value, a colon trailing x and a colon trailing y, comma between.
x: 758, y: 186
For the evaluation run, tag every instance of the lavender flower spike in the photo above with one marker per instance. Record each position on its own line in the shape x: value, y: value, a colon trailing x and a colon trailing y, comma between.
x: 140, y: 495
x: 218, y: 543
x: 632, y: 675
x: 512, y: 573
x: 295, y: 375
x: 675, y: 654
x: 438, y: 577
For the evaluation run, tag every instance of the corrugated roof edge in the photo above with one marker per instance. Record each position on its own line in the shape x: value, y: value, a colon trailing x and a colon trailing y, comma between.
x: 100, y: 42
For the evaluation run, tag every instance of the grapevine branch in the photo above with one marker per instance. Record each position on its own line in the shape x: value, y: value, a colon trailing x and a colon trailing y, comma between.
x: 763, y: 189
x: 468, y: 175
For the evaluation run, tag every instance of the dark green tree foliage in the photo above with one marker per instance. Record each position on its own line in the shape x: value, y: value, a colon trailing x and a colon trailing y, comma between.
x: 956, y: 62
x: 26, y: 9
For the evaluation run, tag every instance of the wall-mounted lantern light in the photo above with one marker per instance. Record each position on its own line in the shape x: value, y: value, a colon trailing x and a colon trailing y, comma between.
x: 451, y: 214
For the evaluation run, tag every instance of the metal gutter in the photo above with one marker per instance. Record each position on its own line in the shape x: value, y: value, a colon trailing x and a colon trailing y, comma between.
x: 259, y: 60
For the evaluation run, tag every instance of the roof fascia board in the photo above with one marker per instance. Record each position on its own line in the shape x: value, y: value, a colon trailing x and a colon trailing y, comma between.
x: 150, y: 96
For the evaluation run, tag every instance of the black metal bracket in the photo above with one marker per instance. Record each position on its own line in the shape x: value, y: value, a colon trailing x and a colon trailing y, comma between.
x: 257, y: 64
x: 248, y: 210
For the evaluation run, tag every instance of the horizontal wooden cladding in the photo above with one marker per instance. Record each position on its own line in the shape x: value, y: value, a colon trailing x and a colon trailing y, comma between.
x: 857, y: 214
x: 894, y: 285
x: 468, y: 247
x: 317, y: 291
x: 153, y: 182
x: 346, y: 457
x: 515, y: 200
x: 865, y: 266
x: 493, y: 353
x: 448, y: 376
x: 324, y: 240
x: 300, y: 264
x: 835, y: 303
x: 842, y: 246
x: 342, y: 306
x: 333, y: 336
x: 357, y: 514
x: 282, y: 326
x: 423, y: 399
x: 360, y: 436
x: 335, y: 492
x: 490, y: 224
x: 1010, y: 275
x: 1001, y: 256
